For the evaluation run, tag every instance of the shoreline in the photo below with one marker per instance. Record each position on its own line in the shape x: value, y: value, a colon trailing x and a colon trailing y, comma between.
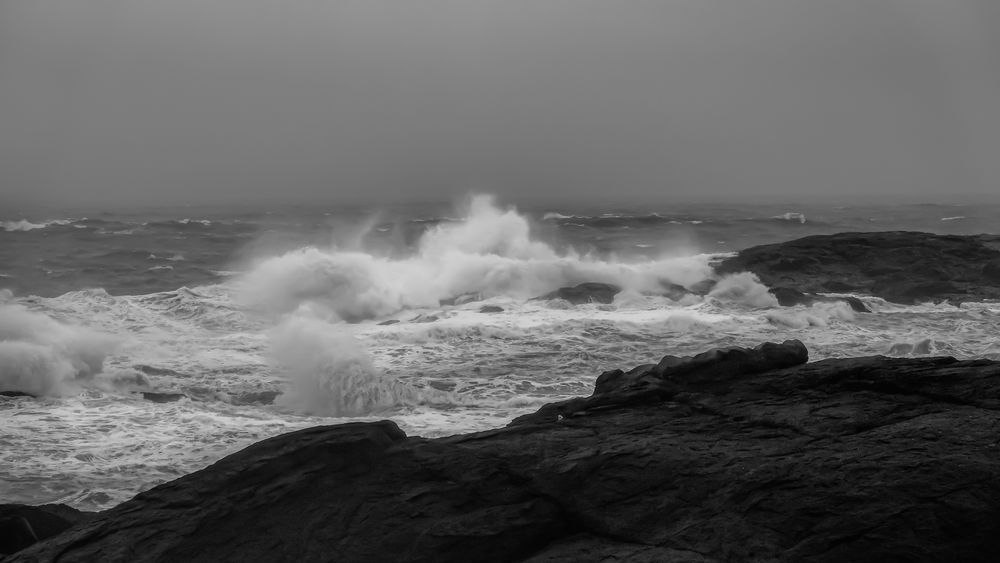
x: 731, y: 454
x: 843, y: 390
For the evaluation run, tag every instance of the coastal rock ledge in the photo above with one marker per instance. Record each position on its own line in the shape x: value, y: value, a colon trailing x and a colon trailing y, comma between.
x: 898, y: 266
x: 732, y: 455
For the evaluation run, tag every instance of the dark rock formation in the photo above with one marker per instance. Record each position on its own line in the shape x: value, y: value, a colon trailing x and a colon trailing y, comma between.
x: 461, y: 299
x: 15, y: 394
x: 158, y: 397
x: 22, y: 525
x: 491, y: 309
x: 674, y: 291
x: 902, y: 267
x: 788, y: 297
x: 588, y: 292
x: 732, y: 455
x: 388, y: 322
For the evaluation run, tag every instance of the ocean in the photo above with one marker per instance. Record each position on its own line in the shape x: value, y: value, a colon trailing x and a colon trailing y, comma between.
x: 265, y: 320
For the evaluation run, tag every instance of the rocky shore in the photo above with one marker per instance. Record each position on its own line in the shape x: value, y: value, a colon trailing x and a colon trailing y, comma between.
x: 731, y: 455
x: 737, y: 454
x: 902, y: 267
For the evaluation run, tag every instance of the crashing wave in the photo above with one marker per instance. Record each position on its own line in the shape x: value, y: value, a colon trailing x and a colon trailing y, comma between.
x: 491, y: 253
x: 42, y: 356
x: 330, y: 374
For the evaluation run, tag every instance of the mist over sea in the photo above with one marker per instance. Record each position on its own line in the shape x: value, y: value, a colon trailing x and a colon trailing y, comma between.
x: 267, y: 319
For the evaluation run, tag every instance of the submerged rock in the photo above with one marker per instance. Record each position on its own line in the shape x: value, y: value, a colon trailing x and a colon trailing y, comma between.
x: 902, y: 267
x: 491, y: 309
x: 737, y: 454
x: 588, y: 292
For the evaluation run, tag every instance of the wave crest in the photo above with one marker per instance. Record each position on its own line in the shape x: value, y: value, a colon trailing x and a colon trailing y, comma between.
x: 42, y: 356
x: 491, y: 253
x: 330, y: 374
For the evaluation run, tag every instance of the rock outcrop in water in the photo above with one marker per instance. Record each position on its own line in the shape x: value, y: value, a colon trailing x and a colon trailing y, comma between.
x: 732, y: 455
x: 587, y: 292
x: 902, y: 267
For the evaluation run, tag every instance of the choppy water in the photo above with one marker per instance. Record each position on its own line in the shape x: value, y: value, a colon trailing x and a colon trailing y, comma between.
x: 232, y: 308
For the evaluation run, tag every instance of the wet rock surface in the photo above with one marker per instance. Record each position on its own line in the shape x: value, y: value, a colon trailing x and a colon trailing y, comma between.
x: 588, y: 292
x: 23, y: 525
x: 898, y: 266
x: 731, y: 455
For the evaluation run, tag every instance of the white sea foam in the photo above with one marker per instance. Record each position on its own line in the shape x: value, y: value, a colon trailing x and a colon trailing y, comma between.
x: 491, y: 253
x: 101, y: 445
x: 743, y: 288
x: 330, y: 374
x: 791, y: 216
x: 25, y: 225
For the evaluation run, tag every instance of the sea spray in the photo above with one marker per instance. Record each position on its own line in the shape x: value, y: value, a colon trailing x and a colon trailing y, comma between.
x: 42, y: 356
x: 743, y: 288
x: 330, y: 374
x: 490, y: 253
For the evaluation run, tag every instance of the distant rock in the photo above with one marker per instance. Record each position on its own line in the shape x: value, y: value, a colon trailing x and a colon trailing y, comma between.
x: 587, y: 292
x: 902, y: 267
x: 491, y: 309
x: 461, y: 299
x: 704, y: 287
x: 157, y: 397
x: 23, y: 525
x: 788, y: 297
x: 673, y: 291
x: 388, y: 322
x: 424, y: 318
x: 736, y: 454
x: 855, y: 304
x: 15, y: 394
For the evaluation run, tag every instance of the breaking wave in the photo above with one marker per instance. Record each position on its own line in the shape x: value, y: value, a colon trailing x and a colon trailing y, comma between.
x: 25, y: 225
x: 330, y: 374
x: 491, y: 253
x: 42, y: 356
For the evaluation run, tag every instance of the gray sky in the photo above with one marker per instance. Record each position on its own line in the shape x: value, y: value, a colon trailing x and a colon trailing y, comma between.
x: 184, y: 101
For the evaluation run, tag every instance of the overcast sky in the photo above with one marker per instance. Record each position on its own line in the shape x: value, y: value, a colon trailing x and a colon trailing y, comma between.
x: 187, y: 101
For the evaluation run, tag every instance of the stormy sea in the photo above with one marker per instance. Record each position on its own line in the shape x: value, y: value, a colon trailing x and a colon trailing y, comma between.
x: 137, y: 346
